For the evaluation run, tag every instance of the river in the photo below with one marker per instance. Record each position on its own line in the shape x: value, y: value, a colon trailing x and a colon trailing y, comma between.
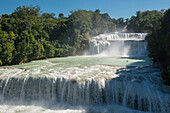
x: 116, y: 76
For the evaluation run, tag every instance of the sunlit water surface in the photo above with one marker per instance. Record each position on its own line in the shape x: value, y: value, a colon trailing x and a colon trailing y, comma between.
x: 100, y: 83
x: 77, y: 68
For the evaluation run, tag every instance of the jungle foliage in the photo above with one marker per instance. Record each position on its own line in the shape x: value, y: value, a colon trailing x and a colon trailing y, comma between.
x: 145, y: 21
x: 28, y: 34
x: 159, y: 45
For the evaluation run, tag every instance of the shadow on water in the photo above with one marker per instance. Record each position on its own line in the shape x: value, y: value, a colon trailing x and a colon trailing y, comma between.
x: 136, y: 87
x: 141, y: 61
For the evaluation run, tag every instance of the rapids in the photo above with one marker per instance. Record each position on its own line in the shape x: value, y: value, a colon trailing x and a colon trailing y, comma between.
x: 87, y: 84
x: 119, y: 44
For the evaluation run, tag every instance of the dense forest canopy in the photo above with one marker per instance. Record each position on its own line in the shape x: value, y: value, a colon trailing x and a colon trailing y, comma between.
x: 28, y: 34
x: 159, y: 45
x: 145, y: 21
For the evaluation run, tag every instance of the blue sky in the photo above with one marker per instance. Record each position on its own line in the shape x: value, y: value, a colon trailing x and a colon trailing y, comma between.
x: 115, y: 8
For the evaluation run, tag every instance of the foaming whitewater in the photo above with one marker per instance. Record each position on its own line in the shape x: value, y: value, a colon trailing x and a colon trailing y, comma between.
x: 119, y: 44
x: 88, y: 84
x: 102, y: 85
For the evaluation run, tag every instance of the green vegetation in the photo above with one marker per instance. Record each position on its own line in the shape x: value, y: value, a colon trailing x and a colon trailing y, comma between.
x: 157, y: 25
x: 27, y: 34
x: 145, y: 21
x: 159, y: 45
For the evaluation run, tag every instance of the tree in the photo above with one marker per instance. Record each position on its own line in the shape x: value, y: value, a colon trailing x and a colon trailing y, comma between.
x: 6, y: 48
x: 29, y: 34
x: 145, y: 21
x: 23, y: 12
x: 61, y: 15
x: 97, y: 11
x: 48, y: 15
x: 159, y: 46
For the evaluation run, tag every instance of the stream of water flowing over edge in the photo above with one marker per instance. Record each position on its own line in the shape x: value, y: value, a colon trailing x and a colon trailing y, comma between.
x: 111, y: 79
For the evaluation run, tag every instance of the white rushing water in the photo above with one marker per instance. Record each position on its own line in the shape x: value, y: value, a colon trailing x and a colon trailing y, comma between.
x: 119, y: 44
x: 85, y: 84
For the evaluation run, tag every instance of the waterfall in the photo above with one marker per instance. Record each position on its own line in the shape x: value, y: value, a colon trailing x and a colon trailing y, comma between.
x: 97, y: 46
x: 127, y: 86
x: 119, y: 44
x: 90, y: 81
